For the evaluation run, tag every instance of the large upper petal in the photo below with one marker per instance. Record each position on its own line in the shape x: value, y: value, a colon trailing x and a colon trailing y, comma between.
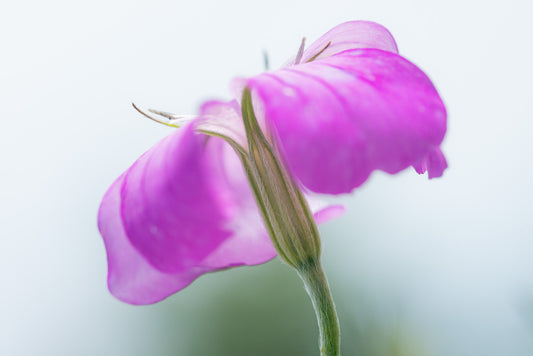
x: 341, y: 117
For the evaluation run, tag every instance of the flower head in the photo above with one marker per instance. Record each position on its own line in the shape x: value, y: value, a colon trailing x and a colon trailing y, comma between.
x: 344, y: 107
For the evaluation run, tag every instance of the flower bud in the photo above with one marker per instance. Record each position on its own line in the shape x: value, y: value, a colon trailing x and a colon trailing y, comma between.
x: 285, y: 211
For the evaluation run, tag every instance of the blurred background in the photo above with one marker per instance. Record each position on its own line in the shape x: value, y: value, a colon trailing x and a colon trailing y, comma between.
x: 417, y: 267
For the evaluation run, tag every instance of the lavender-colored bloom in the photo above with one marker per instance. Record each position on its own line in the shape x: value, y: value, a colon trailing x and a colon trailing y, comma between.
x: 351, y: 105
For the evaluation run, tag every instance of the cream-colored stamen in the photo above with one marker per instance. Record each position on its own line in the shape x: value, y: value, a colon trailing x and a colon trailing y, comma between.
x: 172, y: 120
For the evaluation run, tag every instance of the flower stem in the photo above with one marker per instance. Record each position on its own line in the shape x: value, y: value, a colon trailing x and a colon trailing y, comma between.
x: 317, y: 287
x: 289, y: 220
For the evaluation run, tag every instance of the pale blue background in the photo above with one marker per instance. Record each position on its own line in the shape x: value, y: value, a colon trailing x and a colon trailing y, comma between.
x: 443, y: 266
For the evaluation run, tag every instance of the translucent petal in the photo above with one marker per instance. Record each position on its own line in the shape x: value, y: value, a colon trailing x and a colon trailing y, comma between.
x: 349, y: 35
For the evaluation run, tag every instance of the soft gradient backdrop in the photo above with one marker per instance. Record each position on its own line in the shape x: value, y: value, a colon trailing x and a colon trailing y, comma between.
x: 417, y: 267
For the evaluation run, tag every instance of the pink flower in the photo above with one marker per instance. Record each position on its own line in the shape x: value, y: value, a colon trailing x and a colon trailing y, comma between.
x: 346, y: 106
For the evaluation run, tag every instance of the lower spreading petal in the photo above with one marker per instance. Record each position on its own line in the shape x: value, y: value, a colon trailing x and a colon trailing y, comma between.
x: 183, y: 209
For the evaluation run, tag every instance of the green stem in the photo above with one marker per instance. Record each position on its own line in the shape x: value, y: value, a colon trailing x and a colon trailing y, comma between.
x: 289, y: 221
x: 317, y: 287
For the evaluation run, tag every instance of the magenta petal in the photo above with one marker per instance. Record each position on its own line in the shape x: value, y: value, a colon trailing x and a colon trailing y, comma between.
x: 342, y: 117
x: 183, y: 209
x: 351, y: 35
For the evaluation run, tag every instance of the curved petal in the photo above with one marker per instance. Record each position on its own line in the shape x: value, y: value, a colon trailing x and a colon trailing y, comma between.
x: 350, y: 35
x: 354, y: 112
x: 183, y: 209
